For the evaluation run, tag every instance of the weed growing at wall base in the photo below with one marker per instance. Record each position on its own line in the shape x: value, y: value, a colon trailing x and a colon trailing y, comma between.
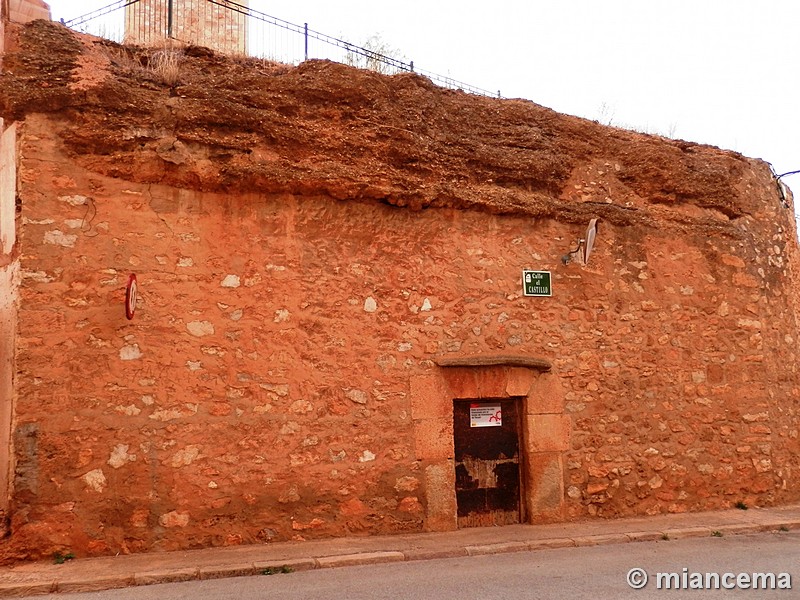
x: 276, y: 570
x: 60, y: 559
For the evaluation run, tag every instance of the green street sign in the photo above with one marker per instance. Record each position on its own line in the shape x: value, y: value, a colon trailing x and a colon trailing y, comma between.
x: 536, y: 283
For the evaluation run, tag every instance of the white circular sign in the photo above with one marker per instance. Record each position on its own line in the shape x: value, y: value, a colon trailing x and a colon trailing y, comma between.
x: 130, y: 297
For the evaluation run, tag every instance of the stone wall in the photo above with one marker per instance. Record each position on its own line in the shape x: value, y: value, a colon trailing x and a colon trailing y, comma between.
x: 22, y: 11
x: 283, y: 375
x: 197, y: 22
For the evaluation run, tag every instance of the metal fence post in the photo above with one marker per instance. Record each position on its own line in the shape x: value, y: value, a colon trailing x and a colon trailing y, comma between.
x: 169, y: 19
x: 306, y: 38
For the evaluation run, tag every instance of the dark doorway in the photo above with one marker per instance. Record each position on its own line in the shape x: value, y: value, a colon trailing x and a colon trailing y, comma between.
x: 487, y: 462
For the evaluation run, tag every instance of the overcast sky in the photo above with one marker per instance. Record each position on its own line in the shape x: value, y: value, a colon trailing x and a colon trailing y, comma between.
x: 724, y: 73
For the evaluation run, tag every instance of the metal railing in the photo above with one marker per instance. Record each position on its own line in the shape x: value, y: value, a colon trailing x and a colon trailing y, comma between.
x: 235, y: 28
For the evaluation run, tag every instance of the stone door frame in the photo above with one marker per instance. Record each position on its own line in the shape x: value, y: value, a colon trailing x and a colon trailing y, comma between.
x: 545, y: 433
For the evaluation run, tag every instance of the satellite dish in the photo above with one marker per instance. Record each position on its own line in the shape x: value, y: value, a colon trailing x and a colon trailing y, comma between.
x: 591, y: 233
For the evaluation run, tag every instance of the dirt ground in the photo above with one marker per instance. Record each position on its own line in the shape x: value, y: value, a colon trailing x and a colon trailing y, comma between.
x: 198, y: 120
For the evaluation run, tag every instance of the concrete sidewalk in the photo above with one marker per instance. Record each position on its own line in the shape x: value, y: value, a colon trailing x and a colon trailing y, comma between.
x: 92, y: 574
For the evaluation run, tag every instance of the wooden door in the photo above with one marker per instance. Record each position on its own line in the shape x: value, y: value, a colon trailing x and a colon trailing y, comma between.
x: 487, y: 462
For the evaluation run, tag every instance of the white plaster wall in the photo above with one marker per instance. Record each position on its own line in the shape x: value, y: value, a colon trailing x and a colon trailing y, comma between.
x: 9, y: 282
x: 9, y: 276
x: 8, y: 187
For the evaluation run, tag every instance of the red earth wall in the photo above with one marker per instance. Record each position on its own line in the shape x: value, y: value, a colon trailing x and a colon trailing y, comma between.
x: 283, y: 375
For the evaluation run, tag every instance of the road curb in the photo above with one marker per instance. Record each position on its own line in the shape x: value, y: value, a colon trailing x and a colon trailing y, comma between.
x: 551, y: 543
x: 17, y: 590
x: 166, y: 576
x: 94, y: 584
x: 75, y: 583
x: 501, y: 548
x: 418, y: 554
x: 681, y: 533
x: 362, y: 558
x: 645, y: 536
x: 225, y: 571
x: 602, y: 539
x: 271, y: 567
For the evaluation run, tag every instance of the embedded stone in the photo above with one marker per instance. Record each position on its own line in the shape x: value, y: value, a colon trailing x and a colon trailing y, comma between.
x: 410, y: 504
x: 130, y: 352
x: 313, y: 524
x: 301, y: 407
x: 597, y: 487
x: 337, y: 456
x: 59, y: 238
x: 290, y: 495
x: 278, y: 389
x: 37, y: 276
x: 184, y: 457
x: 174, y: 519
x: 370, y: 305
x: 289, y: 428
x: 751, y: 324
x: 119, y: 456
x: 231, y: 281
x: 357, y: 396
x: 406, y: 484
x: 200, y: 328
x: 95, y: 480
x: 166, y: 414
x: 751, y: 418
x: 76, y: 200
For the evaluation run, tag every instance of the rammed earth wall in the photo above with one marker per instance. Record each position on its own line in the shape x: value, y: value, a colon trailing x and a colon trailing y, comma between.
x: 280, y: 377
x: 329, y: 265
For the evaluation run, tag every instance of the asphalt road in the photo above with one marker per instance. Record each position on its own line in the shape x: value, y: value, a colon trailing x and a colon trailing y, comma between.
x: 595, y: 572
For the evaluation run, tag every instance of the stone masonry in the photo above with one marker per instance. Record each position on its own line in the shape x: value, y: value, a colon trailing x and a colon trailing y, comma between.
x: 221, y: 26
x: 321, y: 277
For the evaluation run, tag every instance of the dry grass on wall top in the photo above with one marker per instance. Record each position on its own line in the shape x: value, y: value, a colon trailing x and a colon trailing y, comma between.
x: 159, y: 64
x: 166, y: 65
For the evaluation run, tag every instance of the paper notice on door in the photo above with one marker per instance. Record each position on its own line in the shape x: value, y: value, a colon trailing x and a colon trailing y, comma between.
x: 485, y: 415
